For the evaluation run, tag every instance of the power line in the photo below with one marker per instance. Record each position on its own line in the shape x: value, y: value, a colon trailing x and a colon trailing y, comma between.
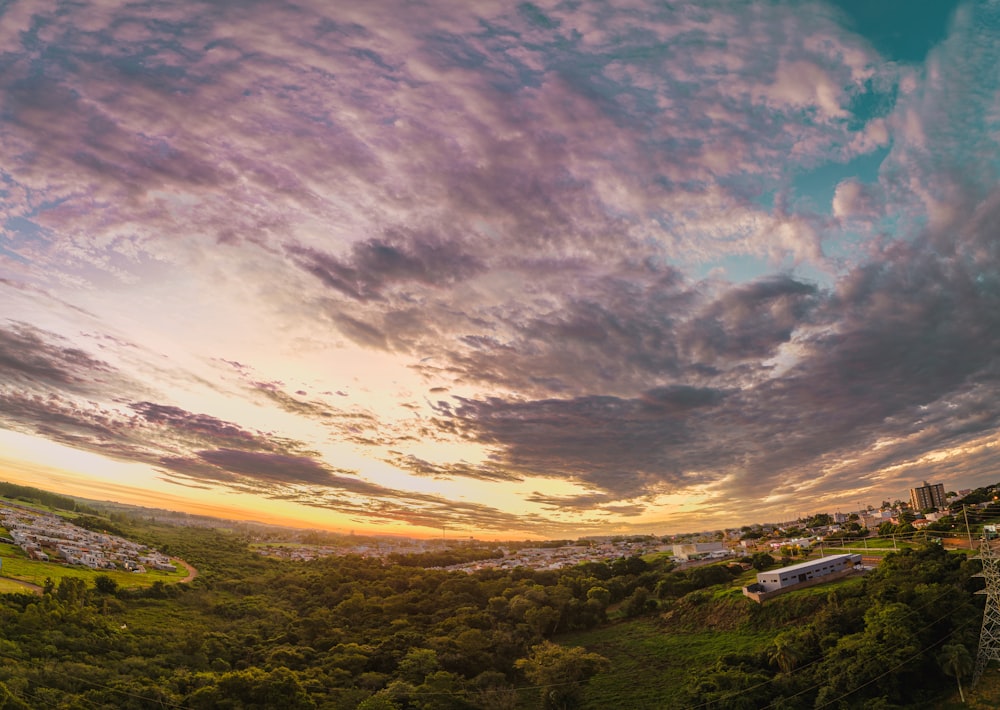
x: 162, y: 702
x: 820, y: 659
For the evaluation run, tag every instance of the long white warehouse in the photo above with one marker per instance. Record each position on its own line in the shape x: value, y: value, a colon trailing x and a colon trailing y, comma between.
x: 774, y: 579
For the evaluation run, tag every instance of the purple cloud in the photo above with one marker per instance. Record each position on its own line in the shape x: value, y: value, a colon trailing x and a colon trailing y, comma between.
x: 706, y: 249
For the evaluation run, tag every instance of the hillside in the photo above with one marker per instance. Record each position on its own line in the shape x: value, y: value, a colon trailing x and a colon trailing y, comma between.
x: 853, y: 643
x: 349, y: 632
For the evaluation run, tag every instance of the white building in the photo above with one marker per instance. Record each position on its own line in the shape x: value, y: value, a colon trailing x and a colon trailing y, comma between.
x: 802, y: 572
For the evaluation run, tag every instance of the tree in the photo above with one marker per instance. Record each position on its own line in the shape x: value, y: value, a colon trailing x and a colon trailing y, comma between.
x: 761, y: 561
x: 819, y: 520
x: 8, y: 701
x: 786, y: 652
x: 72, y: 591
x: 858, y: 660
x: 956, y: 661
x: 560, y: 672
x: 417, y: 664
x: 105, y: 585
x: 379, y: 701
x: 639, y: 603
x: 600, y: 594
x: 253, y: 688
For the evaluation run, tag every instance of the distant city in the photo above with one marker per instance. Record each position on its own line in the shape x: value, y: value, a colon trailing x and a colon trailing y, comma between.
x: 928, y: 504
x: 45, y: 537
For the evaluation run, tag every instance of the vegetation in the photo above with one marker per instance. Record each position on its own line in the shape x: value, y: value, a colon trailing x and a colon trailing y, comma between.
x: 350, y: 632
x: 38, y: 497
x: 893, y: 639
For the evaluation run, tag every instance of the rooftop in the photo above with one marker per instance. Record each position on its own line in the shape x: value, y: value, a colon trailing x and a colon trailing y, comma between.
x: 809, y: 563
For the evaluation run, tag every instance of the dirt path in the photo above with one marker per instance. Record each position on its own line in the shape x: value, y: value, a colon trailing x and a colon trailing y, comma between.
x: 192, y: 572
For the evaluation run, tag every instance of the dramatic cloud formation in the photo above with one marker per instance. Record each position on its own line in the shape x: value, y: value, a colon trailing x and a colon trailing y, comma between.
x: 535, y: 269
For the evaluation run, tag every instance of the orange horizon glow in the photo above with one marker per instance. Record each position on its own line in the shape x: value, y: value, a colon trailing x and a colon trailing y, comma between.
x: 63, y: 482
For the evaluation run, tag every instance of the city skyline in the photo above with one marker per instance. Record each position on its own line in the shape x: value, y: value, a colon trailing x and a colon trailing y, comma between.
x: 519, y: 271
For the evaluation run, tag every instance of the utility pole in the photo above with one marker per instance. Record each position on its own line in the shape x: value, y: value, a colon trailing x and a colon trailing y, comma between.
x: 968, y: 532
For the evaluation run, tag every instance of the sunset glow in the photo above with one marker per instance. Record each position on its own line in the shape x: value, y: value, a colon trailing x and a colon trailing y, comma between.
x: 515, y: 270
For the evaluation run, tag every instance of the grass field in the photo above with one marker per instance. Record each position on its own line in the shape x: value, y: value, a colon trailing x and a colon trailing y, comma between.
x: 16, y: 565
x: 649, y: 664
x: 9, y: 586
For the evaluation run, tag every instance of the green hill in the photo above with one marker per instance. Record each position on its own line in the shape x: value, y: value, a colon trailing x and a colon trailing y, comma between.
x: 350, y: 632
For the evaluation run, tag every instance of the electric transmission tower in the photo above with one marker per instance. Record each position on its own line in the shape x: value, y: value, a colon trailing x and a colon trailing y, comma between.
x: 989, y: 637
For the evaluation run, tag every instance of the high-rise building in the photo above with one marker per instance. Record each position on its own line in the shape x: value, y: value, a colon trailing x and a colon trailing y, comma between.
x: 927, y: 496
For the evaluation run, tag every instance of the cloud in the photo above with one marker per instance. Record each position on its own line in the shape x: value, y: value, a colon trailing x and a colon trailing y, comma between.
x: 378, y: 265
x: 854, y: 200
x: 46, y: 392
x: 420, y: 467
x: 505, y: 228
x: 36, y: 361
x: 749, y: 323
x: 196, y: 427
x: 276, y: 467
x: 896, y: 362
x: 455, y: 130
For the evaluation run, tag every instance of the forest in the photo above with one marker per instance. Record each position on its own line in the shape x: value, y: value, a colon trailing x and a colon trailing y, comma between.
x: 348, y: 632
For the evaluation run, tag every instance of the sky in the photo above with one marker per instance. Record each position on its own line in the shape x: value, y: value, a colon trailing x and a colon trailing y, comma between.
x: 502, y: 270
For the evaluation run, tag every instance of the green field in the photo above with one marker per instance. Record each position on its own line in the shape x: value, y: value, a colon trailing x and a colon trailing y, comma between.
x: 10, y: 586
x: 16, y: 565
x: 649, y: 663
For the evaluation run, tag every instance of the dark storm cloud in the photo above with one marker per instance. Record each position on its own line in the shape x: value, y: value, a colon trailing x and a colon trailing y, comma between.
x: 167, y: 436
x: 49, y: 389
x: 679, y: 399
x: 65, y: 419
x: 586, y: 501
x: 274, y: 391
x: 569, y: 328
x: 340, y: 491
x: 625, y: 510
